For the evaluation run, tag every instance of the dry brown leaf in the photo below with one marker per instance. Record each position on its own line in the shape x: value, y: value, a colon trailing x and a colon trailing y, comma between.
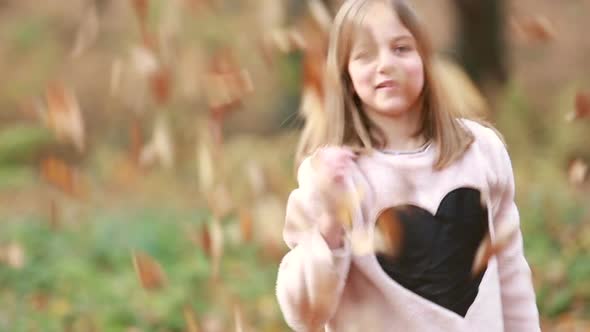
x: 205, y: 167
x: 141, y: 10
x: 149, y: 271
x: 87, y: 32
x: 13, y: 255
x: 62, y: 176
x: 161, y: 85
x: 39, y: 301
x: 536, y: 28
x: 238, y: 318
x: 213, y: 323
x: 578, y: 170
x: 160, y: 149
x: 54, y: 214
x: 190, y: 318
x: 63, y: 115
x: 487, y: 249
x: 256, y: 178
x: 388, y: 233
x: 246, y: 224
x: 135, y: 141
x: 216, y: 236
x: 582, y: 106
x: 144, y: 61
x: 116, y: 73
x: 227, y: 84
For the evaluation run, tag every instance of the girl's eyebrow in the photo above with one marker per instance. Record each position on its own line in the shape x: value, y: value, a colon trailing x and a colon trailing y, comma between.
x: 402, y: 37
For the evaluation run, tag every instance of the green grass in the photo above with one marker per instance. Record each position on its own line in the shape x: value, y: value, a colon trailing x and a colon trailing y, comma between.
x: 86, y: 270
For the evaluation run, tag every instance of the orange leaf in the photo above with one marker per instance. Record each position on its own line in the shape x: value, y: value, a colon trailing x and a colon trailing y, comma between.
x: 87, y: 32
x: 246, y: 225
x: 62, y: 176
x: 149, y: 271
x: 389, y: 233
x: 534, y: 28
x: 160, y: 83
x: 141, y: 9
x: 578, y: 170
x: 192, y: 323
x: 488, y: 248
x: 583, y: 104
x: 64, y: 116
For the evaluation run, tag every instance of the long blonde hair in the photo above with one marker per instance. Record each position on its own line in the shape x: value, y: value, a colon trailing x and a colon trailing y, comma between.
x: 343, y: 122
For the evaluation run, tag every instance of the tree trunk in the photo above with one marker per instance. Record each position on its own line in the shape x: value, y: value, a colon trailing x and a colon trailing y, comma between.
x: 481, y: 40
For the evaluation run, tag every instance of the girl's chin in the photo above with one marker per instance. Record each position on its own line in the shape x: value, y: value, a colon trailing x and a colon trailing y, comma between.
x: 391, y: 109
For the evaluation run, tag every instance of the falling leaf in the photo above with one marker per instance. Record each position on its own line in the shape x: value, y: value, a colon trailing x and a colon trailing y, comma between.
x: 54, y: 215
x: 135, y: 141
x: 39, y: 301
x: 149, y: 272
x: 489, y: 248
x: 116, y: 73
x: 190, y: 318
x: 87, y: 32
x: 205, y: 167
x: 246, y: 224
x: 238, y: 318
x: 578, y: 171
x: 144, y: 61
x: 213, y: 323
x: 141, y: 10
x: 62, y: 176
x: 13, y: 255
x: 64, y: 116
x: 582, y: 107
x: 160, y: 82
x: 256, y: 178
x: 388, y: 233
x: 160, y: 149
x: 216, y: 236
x: 534, y: 28
x: 228, y: 83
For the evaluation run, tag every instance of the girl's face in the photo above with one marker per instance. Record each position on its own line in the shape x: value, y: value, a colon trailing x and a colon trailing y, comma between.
x: 385, y: 67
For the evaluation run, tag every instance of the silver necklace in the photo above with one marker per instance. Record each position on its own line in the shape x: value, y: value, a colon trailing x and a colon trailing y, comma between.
x: 419, y: 150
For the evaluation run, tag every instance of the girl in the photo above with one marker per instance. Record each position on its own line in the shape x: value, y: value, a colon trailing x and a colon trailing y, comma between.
x: 403, y: 167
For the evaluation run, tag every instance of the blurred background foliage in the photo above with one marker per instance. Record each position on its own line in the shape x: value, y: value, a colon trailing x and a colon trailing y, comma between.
x: 146, y: 152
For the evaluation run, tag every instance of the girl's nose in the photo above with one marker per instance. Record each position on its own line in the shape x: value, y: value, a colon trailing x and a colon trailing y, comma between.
x: 387, y: 62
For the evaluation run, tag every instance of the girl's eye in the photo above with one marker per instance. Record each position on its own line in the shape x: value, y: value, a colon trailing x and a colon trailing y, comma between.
x: 402, y: 49
x: 360, y: 55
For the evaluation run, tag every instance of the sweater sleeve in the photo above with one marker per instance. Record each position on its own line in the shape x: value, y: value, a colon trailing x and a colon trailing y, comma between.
x: 311, y: 275
x: 518, y: 296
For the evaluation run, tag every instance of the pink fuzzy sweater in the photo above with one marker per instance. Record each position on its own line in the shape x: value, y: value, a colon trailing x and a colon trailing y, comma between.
x: 345, y: 289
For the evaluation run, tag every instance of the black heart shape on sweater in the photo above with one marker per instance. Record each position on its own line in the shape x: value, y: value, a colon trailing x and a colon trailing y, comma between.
x: 436, y: 253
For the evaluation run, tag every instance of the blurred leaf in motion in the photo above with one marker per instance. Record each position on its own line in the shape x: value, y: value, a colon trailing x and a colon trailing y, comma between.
x: 488, y: 248
x: 63, y: 177
x: 87, y: 32
x: 63, y: 115
x: 148, y: 270
x: 582, y: 106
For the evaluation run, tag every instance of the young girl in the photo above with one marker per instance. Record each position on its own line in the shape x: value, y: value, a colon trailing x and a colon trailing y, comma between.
x: 391, y: 155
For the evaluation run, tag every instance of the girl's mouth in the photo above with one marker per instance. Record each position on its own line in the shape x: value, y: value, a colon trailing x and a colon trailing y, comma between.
x: 389, y: 84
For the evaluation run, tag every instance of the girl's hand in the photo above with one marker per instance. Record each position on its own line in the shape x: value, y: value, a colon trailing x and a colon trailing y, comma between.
x: 332, y: 167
